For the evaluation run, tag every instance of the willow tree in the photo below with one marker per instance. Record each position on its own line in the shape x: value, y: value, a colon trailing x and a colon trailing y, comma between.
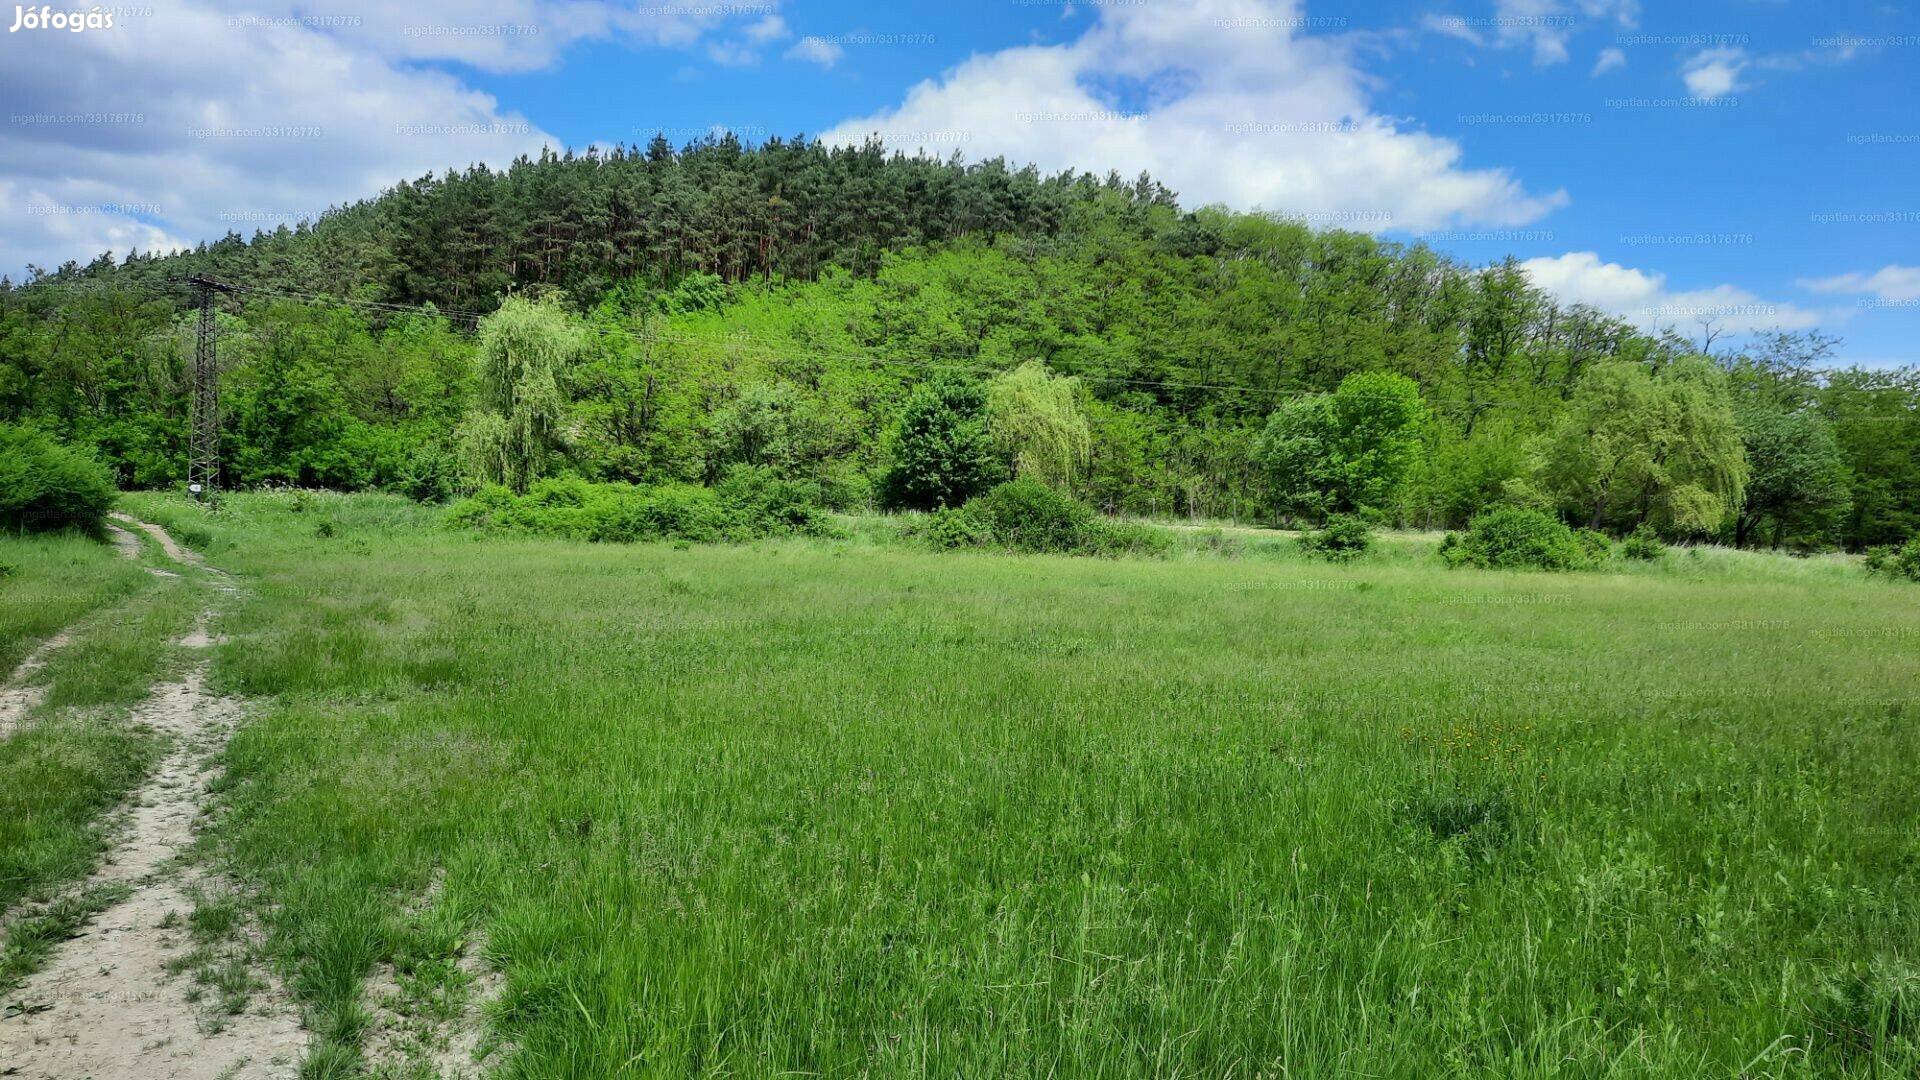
x: 513, y: 434
x: 1638, y: 447
x: 1037, y: 424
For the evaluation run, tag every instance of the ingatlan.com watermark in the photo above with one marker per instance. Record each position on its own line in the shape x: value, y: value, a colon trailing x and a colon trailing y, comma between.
x: 497, y: 128
x: 470, y: 30
x: 1673, y: 103
x: 259, y: 131
x: 1865, y: 217
x: 52, y: 119
x: 293, y: 22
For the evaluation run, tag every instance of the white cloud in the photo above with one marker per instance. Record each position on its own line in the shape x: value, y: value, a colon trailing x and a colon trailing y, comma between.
x: 1544, y: 25
x: 1608, y: 60
x: 1218, y: 99
x: 772, y: 28
x: 202, y: 117
x: 1643, y: 298
x: 1892, y: 283
x: 1714, y: 73
x: 816, y: 50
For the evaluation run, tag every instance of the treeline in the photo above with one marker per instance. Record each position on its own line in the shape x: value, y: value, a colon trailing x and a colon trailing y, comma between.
x: 587, y: 223
x: 778, y: 307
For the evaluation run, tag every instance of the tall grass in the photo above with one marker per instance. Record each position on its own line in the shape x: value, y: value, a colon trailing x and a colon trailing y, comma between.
x: 850, y: 809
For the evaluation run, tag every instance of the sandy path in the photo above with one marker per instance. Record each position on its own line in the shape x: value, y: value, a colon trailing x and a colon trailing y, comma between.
x: 106, y: 1007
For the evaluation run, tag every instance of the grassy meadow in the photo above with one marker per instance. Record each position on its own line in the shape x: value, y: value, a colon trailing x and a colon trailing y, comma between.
x: 74, y: 757
x: 845, y: 808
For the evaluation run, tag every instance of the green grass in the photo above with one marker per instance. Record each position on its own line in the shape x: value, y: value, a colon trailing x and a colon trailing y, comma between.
x: 48, y: 582
x: 845, y: 808
x: 77, y: 757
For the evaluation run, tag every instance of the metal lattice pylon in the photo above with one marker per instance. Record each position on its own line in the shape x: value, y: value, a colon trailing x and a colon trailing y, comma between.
x: 203, y: 441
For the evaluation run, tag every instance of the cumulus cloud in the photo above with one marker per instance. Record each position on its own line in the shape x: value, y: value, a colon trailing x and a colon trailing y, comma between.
x: 1714, y: 73
x: 193, y: 119
x: 1608, y: 60
x: 816, y: 50
x: 1892, y: 283
x: 1222, y: 100
x: 184, y: 124
x: 1643, y: 297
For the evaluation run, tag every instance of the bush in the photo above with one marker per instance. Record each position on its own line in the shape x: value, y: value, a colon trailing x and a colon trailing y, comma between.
x: 769, y: 504
x: 1644, y: 545
x: 1028, y: 516
x: 44, y: 485
x: 749, y: 504
x: 1344, y: 538
x: 1516, y: 538
x: 1597, y: 545
x: 1902, y: 562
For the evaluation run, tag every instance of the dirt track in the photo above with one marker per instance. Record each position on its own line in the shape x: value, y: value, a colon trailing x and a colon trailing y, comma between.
x: 106, y: 1006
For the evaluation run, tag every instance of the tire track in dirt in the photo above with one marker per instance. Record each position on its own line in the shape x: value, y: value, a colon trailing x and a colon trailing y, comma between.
x: 109, y: 1005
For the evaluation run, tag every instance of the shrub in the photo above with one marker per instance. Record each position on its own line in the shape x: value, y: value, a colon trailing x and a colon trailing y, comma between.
x: 1896, y: 562
x: 1028, y: 516
x: 1644, y: 545
x: 1597, y: 546
x: 1516, y: 538
x: 1343, y: 538
x: 750, y: 503
x: 767, y: 503
x: 44, y: 485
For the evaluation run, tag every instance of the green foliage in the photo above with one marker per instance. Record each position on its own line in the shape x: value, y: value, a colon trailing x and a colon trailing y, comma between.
x: 525, y: 351
x: 1597, y: 546
x: 1036, y: 422
x: 941, y: 452
x: 1029, y: 516
x: 1347, y: 452
x: 767, y: 305
x: 44, y: 485
x: 1798, y: 485
x: 1643, y: 545
x: 1519, y: 538
x: 1343, y: 538
x: 1900, y: 562
x: 1636, y: 445
x: 749, y: 504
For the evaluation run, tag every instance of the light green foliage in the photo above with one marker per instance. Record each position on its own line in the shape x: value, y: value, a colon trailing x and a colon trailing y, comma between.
x: 525, y: 350
x: 747, y: 504
x: 1037, y: 423
x: 44, y: 485
x: 1638, y: 445
x: 1346, y: 452
x: 769, y: 424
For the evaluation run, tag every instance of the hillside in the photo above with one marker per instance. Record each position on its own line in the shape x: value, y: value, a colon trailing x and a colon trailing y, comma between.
x: 796, y: 294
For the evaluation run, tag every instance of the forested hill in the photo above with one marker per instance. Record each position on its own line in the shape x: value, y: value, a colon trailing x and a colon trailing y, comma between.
x: 586, y: 222
x: 776, y: 306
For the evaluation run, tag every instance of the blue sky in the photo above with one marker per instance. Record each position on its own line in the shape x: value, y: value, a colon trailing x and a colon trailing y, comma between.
x: 1750, y: 162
